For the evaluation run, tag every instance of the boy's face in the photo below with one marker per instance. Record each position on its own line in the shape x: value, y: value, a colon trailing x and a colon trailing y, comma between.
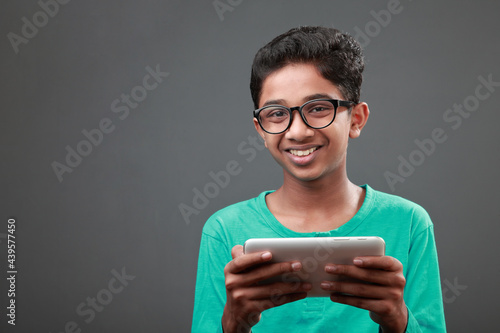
x: 292, y: 86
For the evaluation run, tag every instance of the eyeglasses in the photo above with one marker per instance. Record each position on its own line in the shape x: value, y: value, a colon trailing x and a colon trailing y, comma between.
x: 317, y: 114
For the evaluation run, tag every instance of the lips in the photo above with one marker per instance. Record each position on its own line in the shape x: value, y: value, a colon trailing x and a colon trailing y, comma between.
x: 305, y: 152
x: 302, y: 156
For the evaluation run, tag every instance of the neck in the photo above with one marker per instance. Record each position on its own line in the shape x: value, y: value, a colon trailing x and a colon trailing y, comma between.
x: 319, y: 205
x: 317, y: 194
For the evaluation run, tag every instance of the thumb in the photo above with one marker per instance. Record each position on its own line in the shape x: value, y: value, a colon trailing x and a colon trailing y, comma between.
x: 237, y: 251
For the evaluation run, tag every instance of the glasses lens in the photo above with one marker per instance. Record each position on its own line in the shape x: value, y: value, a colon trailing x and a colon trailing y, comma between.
x: 274, y: 119
x: 319, y: 113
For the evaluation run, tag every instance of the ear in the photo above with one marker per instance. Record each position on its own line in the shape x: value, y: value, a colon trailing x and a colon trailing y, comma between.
x: 359, y: 117
x: 260, y: 131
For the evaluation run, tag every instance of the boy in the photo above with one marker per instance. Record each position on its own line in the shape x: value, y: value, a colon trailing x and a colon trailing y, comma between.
x: 306, y: 85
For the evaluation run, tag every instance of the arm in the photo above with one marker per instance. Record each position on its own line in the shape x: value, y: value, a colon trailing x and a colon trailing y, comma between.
x: 423, y: 286
x: 209, y: 293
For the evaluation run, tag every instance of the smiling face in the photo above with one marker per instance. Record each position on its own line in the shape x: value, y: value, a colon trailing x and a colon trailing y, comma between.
x: 308, y: 154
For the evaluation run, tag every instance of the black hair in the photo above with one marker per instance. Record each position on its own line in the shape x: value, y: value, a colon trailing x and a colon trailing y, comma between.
x: 336, y: 55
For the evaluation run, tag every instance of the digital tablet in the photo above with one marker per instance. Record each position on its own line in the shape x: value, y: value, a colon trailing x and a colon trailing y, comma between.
x: 314, y: 253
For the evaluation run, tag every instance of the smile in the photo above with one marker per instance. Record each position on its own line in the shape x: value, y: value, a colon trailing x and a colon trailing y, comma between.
x: 302, y: 152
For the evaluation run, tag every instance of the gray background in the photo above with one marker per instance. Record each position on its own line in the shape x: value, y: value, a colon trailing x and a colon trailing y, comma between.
x: 119, y: 208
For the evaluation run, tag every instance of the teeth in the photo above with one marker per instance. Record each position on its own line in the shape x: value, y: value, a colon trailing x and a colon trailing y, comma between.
x: 302, y: 152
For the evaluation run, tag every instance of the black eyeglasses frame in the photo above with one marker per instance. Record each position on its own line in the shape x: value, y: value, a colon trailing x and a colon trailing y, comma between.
x: 335, y: 102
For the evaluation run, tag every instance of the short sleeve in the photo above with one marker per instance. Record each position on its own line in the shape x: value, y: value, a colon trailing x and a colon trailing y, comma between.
x: 423, y: 295
x: 210, y: 294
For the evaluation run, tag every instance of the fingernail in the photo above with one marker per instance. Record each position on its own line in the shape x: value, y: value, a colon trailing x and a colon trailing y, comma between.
x: 266, y: 255
x: 296, y: 266
x: 357, y: 261
x: 331, y: 268
x: 326, y: 285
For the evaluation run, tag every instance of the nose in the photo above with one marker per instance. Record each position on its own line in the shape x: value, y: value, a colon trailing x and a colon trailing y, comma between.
x: 298, y: 131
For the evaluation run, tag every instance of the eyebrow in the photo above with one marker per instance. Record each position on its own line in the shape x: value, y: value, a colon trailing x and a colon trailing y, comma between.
x: 305, y: 99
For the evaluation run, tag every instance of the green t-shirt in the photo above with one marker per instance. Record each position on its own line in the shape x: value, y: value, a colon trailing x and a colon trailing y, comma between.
x: 409, y: 237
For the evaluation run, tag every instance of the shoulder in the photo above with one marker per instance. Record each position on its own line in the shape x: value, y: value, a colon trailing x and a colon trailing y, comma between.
x: 236, y: 216
x: 397, y: 207
x: 391, y: 201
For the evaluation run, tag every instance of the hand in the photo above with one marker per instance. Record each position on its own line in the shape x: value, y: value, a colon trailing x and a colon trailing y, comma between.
x: 246, y: 299
x: 380, y: 289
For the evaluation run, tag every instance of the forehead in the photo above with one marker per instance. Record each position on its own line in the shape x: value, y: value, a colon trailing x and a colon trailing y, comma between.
x: 295, y: 84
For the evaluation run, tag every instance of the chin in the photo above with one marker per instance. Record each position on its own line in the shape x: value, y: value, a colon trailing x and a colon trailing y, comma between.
x: 305, y: 177
x: 313, y: 175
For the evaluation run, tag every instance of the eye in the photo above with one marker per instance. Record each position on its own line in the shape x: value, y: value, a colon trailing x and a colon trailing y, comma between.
x: 277, y: 113
x: 319, y: 109
x: 274, y: 114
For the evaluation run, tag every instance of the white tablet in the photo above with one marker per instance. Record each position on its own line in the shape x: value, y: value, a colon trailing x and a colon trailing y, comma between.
x: 314, y: 253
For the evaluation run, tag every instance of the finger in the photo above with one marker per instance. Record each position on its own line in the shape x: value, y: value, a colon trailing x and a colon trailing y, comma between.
x: 237, y: 251
x: 375, y: 306
x: 275, y: 291
x: 345, y: 272
x: 273, y: 270
x: 358, y: 289
x: 359, y: 302
x: 278, y: 292
x: 283, y: 299
x: 370, y: 275
x: 242, y: 261
x: 385, y: 263
x: 254, y: 308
